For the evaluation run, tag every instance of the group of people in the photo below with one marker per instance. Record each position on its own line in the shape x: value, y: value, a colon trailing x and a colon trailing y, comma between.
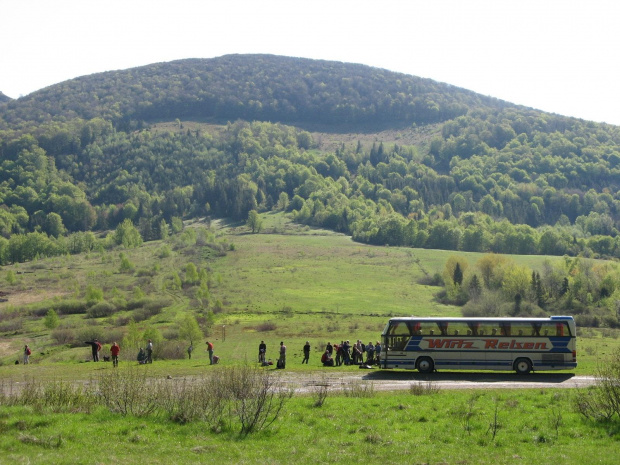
x: 262, y: 355
x: 96, y: 347
x: 351, y: 354
x: 344, y: 353
x: 146, y: 356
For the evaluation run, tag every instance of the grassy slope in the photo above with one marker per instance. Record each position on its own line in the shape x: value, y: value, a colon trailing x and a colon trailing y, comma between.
x: 304, y: 284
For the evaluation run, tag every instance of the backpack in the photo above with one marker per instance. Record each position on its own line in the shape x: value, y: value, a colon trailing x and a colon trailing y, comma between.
x: 28, y: 351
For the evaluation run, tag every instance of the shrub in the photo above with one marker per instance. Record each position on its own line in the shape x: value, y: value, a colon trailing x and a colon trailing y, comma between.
x: 602, y: 402
x: 123, y: 391
x: 63, y: 335
x: 90, y: 333
x: 169, y: 350
x: 71, y: 307
x: 267, y: 326
x: 100, y: 310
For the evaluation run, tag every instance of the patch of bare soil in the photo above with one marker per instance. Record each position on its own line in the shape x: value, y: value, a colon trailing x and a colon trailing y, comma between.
x: 28, y: 296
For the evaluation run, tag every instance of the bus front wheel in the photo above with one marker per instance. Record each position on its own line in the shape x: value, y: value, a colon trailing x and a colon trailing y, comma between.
x: 523, y: 366
x: 425, y: 365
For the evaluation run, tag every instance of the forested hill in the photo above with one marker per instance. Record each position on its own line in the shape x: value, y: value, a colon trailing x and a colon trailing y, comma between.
x: 4, y: 98
x: 249, y: 87
x: 478, y: 174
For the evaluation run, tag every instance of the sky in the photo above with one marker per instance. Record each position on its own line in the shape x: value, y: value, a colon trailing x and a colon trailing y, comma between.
x: 556, y: 56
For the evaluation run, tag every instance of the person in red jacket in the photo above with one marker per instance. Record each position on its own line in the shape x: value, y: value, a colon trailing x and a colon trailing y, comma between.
x: 115, y: 350
x: 210, y: 350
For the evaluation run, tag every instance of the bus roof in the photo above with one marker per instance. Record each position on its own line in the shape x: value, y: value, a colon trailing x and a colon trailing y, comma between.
x: 482, y: 319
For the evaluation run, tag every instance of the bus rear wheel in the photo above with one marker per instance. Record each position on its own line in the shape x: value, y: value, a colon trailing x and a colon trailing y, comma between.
x: 523, y: 366
x: 425, y: 365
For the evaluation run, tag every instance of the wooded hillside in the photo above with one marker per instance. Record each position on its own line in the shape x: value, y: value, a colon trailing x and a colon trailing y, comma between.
x: 484, y: 175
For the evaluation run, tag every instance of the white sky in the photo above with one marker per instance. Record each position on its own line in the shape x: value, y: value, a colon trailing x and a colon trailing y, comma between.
x: 556, y: 56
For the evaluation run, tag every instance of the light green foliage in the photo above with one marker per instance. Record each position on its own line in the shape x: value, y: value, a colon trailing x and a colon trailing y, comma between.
x: 165, y: 251
x: 133, y: 338
x: 153, y: 334
x: 93, y: 294
x: 202, y: 294
x: 254, y: 222
x: 191, y: 274
x: 51, y: 320
x: 517, y: 280
x: 126, y: 266
x: 163, y: 230
x: 177, y: 225
x: 127, y: 235
x: 10, y: 277
x: 283, y: 201
x: 189, y: 329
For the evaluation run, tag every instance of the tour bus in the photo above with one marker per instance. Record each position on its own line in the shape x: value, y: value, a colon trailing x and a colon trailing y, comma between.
x: 520, y: 344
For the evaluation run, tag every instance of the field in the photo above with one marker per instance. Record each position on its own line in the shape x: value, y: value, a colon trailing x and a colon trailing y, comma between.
x: 290, y: 284
x: 427, y: 427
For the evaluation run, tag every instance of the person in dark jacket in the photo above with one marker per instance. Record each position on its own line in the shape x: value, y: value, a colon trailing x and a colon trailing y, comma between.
x: 306, y: 352
x: 95, y: 347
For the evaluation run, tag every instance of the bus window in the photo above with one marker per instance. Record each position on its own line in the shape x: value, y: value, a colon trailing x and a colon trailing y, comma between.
x: 521, y: 328
x: 474, y: 329
x: 443, y: 327
x: 458, y: 328
x: 555, y: 328
x: 485, y: 329
x: 398, y: 328
x: 505, y: 329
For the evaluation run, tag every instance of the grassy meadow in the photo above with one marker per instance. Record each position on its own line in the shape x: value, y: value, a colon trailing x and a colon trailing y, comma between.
x: 428, y: 427
x: 290, y: 283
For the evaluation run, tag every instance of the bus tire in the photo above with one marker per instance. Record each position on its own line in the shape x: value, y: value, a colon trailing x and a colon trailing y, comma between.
x: 425, y: 365
x: 523, y: 366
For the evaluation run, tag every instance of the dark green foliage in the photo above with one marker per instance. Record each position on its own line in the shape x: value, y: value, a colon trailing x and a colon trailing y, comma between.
x: 485, y: 176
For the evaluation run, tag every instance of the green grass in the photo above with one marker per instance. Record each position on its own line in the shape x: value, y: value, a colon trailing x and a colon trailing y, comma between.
x: 291, y: 283
x: 447, y: 427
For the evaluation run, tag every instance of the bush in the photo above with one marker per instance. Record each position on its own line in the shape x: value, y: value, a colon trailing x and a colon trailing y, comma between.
x: 101, y: 310
x: 169, y: 350
x: 11, y: 326
x: 70, y: 307
x: 90, y: 333
x: 602, y: 402
x: 63, y: 336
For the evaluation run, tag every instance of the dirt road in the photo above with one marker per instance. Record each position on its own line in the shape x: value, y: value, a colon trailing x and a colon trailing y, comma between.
x: 396, y: 380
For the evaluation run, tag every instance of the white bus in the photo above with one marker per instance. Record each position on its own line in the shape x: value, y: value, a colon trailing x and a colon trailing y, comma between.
x: 520, y: 344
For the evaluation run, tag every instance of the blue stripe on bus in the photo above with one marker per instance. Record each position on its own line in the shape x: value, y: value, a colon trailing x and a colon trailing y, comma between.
x: 482, y: 363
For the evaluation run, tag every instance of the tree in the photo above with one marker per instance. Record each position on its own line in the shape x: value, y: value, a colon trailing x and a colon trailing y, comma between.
x: 189, y: 329
x: 51, y: 320
x: 191, y: 273
x: 127, y: 235
x: 254, y: 222
x: 457, y: 276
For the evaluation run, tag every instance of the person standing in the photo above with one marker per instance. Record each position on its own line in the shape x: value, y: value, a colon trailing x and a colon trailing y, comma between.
x: 370, y: 351
x: 190, y: 349
x: 378, y: 352
x: 149, y: 352
x: 346, y: 356
x: 306, y: 353
x: 330, y: 349
x: 262, y: 352
x: 210, y: 350
x: 282, y: 359
x: 27, y: 353
x: 95, y: 347
x: 115, y: 350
